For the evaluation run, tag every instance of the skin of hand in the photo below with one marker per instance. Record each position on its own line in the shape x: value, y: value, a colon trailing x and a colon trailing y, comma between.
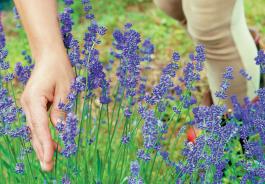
x: 47, y: 85
x: 51, y: 78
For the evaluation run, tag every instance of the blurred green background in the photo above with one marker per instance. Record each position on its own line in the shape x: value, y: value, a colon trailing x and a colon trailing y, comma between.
x: 165, y: 32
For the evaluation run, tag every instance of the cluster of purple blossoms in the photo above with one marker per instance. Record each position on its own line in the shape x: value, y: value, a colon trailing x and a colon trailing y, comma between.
x: 130, y: 54
x: 125, y: 139
x: 87, y: 9
x: 66, y: 180
x: 260, y: 60
x: 20, y: 168
x: 74, y: 53
x: 245, y: 74
x: 192, y: 69
x: 68, y: 131
x: 4, y: 65
x: 22, y: 132
x: 142, y: 89
x: 8, y: 111
x: 72, y: 45
x: 147, y: 50
x: 127, y: 45
x: 208, y: 150
x: 152, y: 129
x: 22, y: 73
x: 68, y: 2
x: 166, y: 159
x: 255, y: 172
x: 199, y: 58
x: 67, y: 24
x: 96, y: 78
x: 89, y: 56
x: 225, y: 84
x: 143, y: 155
x: 77, y: 86
x: 135, y: 172
x: 161, y: 90
x: 211, y: 148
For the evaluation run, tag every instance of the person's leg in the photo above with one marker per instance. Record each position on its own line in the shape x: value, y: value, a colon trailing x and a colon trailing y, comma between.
x: 173, y: 8
x: 221, y: 26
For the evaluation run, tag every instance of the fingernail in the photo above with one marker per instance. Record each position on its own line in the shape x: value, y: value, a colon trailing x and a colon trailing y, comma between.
x: 42, y: 165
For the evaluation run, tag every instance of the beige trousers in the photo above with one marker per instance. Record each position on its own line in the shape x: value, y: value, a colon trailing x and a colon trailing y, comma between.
x: 221, y: 26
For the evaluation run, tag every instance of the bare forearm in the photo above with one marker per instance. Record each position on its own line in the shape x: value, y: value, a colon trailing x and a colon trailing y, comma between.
x: 40, y: 21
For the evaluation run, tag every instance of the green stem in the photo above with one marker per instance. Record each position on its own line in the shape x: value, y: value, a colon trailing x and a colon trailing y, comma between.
x: 151, y: 170
x: 99, y: 125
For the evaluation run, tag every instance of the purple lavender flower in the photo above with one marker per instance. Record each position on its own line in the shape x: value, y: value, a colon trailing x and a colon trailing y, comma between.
x: 79, y: 84
x: 4, y: 65
x: 23, y: 73
x: 74, y: 53
x: 20, y: 168
x: 87, y: 9
x: 200, y: 57
x: 133, y: 180
x: 255, y: 150
x: 23, y: 132
x: 105, y: 90
x: 68, y: 2
x: 175, y: 56
x: 193, y: 68
x: 128, y: 25
x: 135, y: 170
x: 66, y: 180
x: 147, y: 50
x: 190, y: 76
x: 161, y: 90
x: 141, y: 154
x: 176, y: 110
x: 225, y: 84
x: 245, y: 74
x: 164, y: 155
x: 9, y: 77
x: 228, y: 73
x: 162, y: 106
x: 178, y: 90
x: 16, y: 14
x: 27, y: 57
x: 141, y: 91
x: 66, y: 27
x: 151, y: 129
x: 69, y: 134
x: 260, y: 60
x: 127, y: 112
x: 127, y: 51
x: 125, y: 139
x: 8, y: 110
x: 60, y: 126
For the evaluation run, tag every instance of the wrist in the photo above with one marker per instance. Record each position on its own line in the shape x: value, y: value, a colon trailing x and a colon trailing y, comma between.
x: 48, y: 49
x: 50, y: 55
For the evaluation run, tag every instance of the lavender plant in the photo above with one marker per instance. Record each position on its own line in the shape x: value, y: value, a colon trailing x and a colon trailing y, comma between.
x: 119, y: 129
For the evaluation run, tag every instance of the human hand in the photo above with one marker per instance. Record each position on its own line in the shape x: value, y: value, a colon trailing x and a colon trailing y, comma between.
x: 48, y: 85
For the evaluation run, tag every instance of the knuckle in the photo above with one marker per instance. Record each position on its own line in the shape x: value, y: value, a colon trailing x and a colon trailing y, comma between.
x: 35, y: 126
x: 24, y: 100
